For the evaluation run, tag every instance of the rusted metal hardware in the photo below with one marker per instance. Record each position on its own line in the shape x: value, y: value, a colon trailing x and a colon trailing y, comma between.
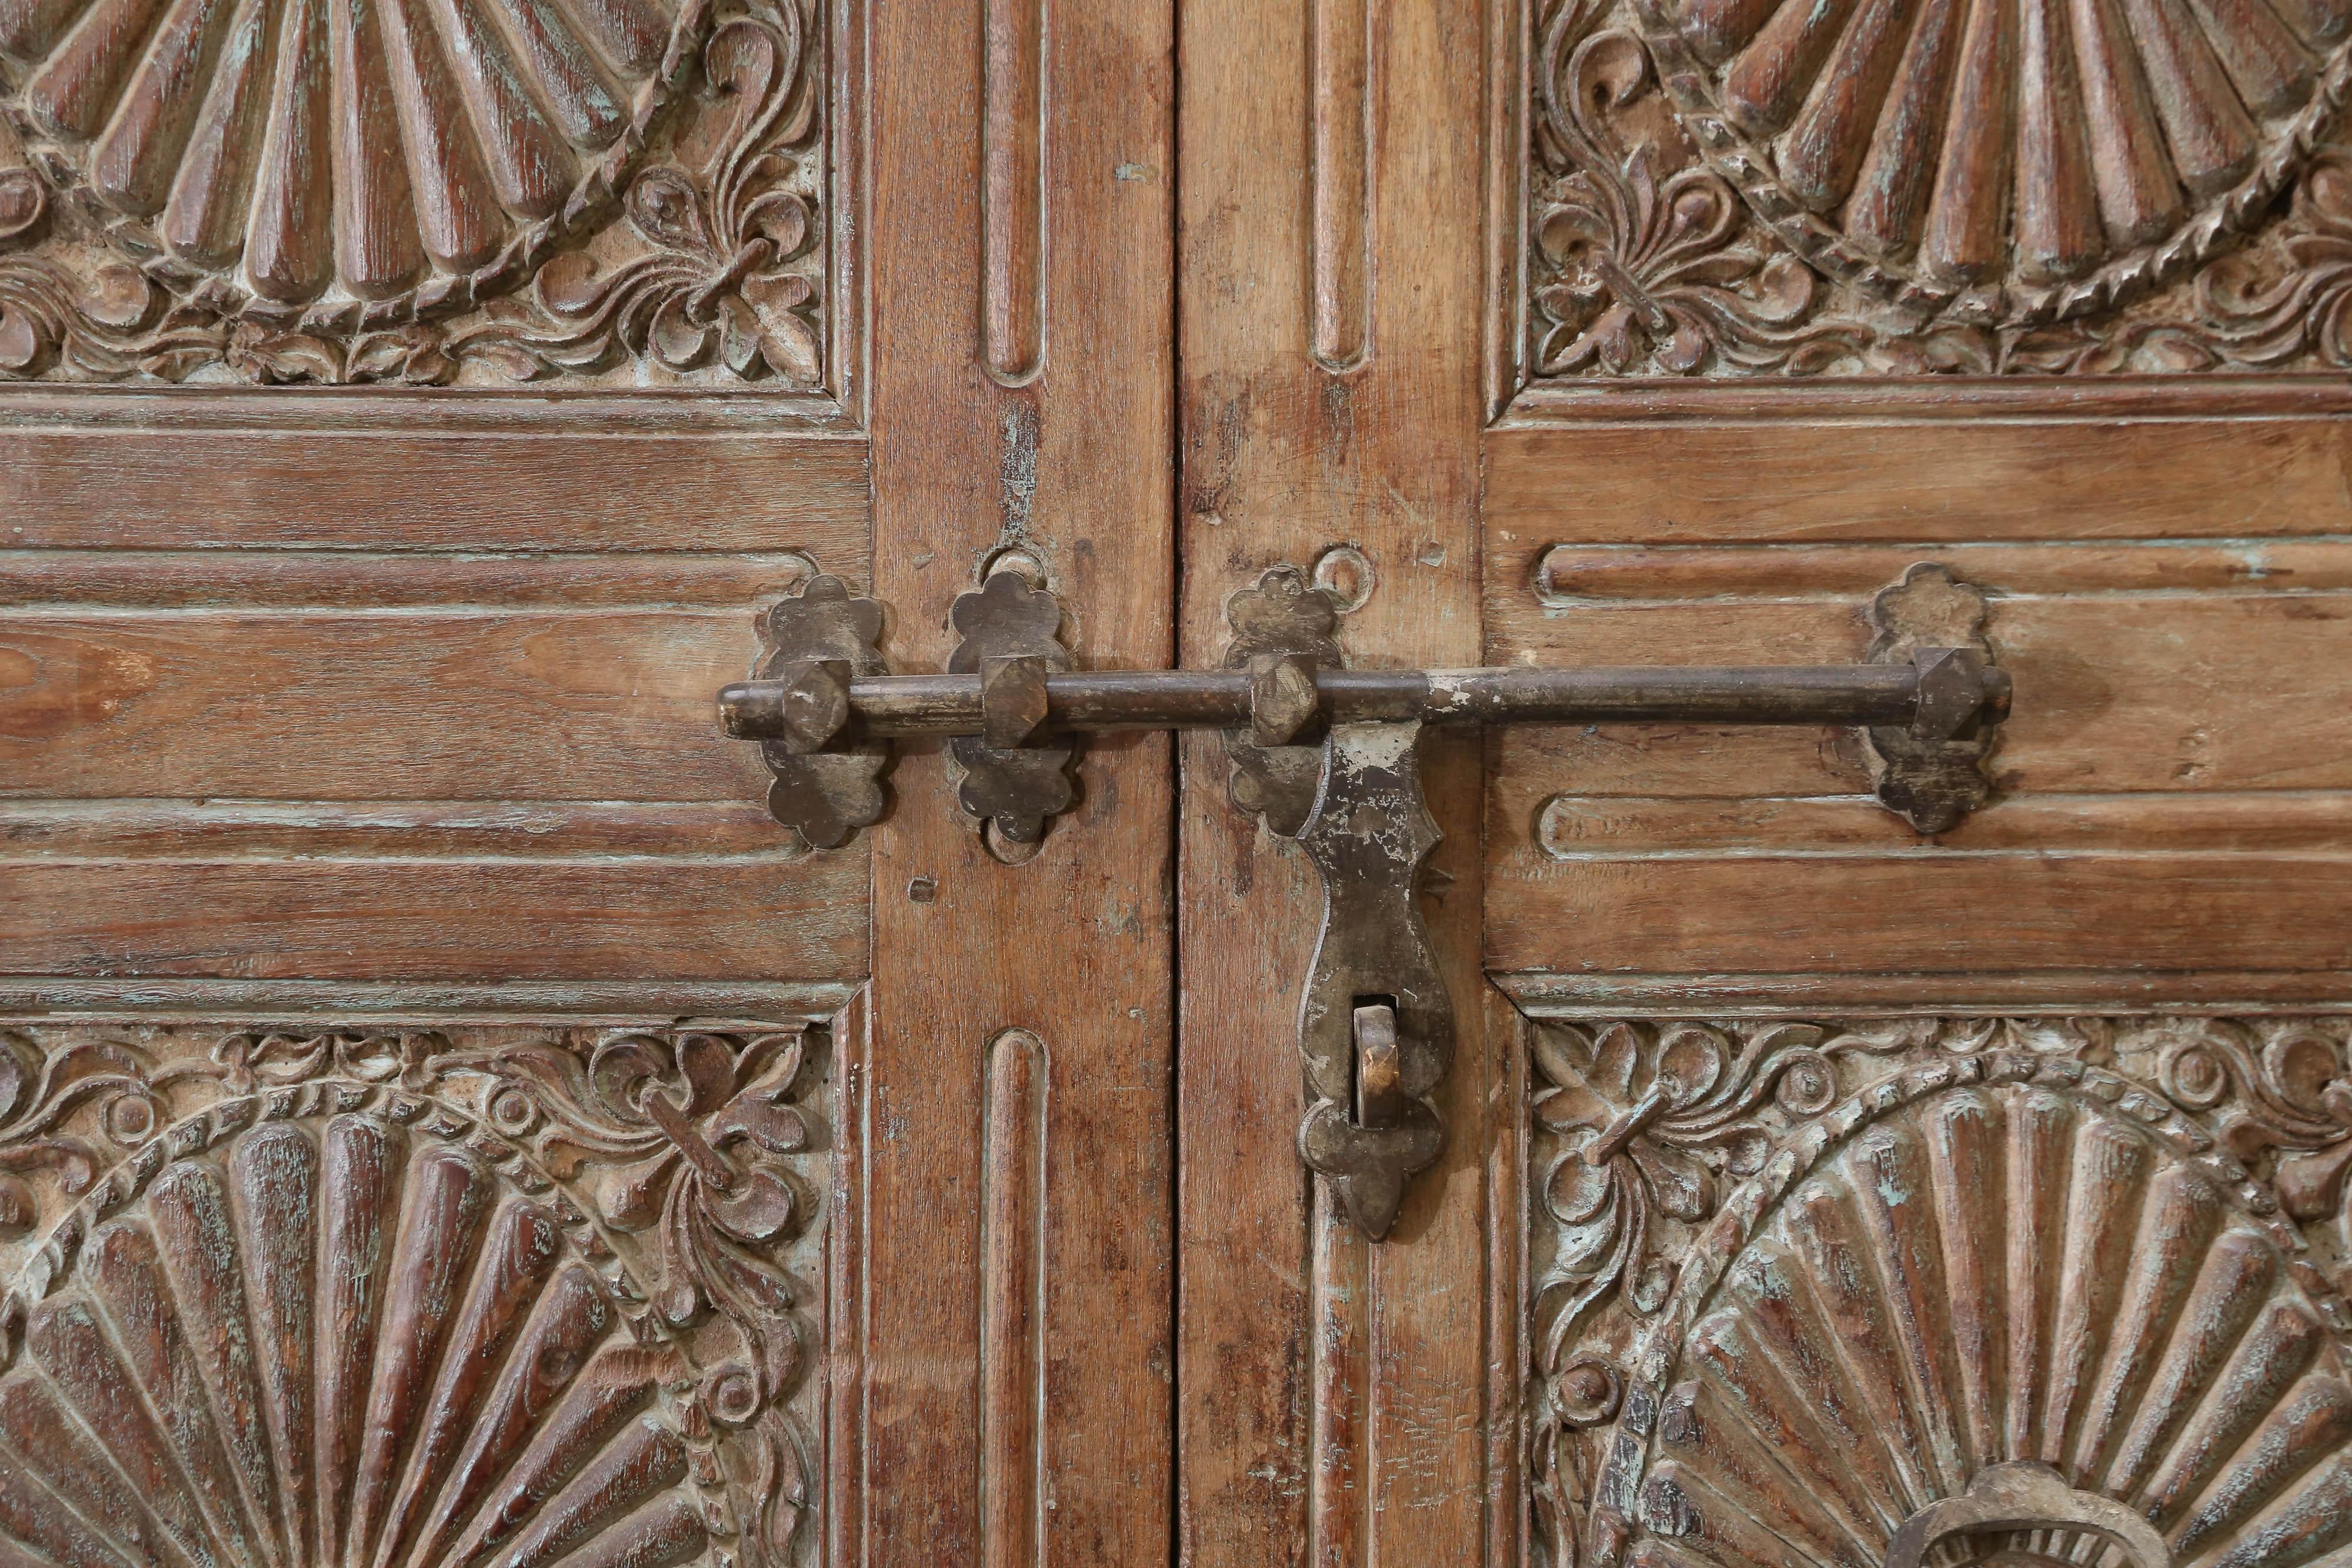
x: 1931, y: 767
x: 1083, y: 700
x: 1375, y: 1023
x: 827, y: 772
x: 1920, y: 692
x: 1327, y: 756
x: 1014, y: 780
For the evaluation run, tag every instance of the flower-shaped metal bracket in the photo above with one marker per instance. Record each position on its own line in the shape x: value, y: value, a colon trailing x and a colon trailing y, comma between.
x: 1932, y: 772
x: 827, y: 778
x: 1012, y: 640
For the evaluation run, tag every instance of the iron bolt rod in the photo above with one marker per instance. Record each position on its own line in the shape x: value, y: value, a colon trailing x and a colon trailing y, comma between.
x: 1220, y: 699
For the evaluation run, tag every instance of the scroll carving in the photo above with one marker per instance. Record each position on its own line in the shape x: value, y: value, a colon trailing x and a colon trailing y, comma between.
x: 1731, y: 189
x: 1868, y: 1291
x: 407, y: 1295
x: 428, y: 194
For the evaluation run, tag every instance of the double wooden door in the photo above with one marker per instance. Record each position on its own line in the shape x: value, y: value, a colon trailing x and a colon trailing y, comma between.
x: 447, y: 1119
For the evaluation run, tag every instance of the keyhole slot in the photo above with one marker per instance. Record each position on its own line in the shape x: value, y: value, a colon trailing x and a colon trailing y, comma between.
x: 1374, y: 1064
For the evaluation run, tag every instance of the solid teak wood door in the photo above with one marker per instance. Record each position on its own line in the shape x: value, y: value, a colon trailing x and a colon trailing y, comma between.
x: 446, y: 1118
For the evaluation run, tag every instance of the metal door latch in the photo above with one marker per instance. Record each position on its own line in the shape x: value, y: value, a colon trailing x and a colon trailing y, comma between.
x: 1328, y: 757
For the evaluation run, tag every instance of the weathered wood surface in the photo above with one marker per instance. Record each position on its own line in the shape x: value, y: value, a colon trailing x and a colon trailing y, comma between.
x: 766, y: 915
x: 344, y: 1320
x: 496, y: 475
x: 2236, y: 688
x: 1336, y: 1406
x: 2170, y: 594
x: 1844, y: 1273
x: 1914, y: 467
x: 471, y: 702
x: 344, y: 691
x: 611, y: 830
x: 1021, y: 397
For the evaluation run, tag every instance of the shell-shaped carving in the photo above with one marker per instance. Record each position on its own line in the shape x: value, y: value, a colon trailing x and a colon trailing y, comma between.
x: 348, y: 1348
x: 376, y: 150
x: 2049, y: 153
x: 1991, y: 1284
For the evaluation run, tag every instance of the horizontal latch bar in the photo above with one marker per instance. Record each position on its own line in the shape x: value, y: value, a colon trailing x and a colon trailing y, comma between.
x: 1222, y: 699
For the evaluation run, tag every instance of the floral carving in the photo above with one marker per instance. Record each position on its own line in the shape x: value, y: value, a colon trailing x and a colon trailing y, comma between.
x: 1647, y: 267
x: 691, y: 253
x: 718, y: 285
x: 1653, y: 1142
x: 2276, y: 1090
x: 1664, y: 244
x: 2284, y: 305
x: 1650, y: 1118
x: 675, y: 1156
x: 687, y: 1133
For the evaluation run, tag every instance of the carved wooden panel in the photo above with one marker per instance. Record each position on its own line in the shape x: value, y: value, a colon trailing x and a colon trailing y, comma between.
x: 1740, y: 187
x: 475, y: 192
x: 409, y: 1295
x: 1954, y: 1289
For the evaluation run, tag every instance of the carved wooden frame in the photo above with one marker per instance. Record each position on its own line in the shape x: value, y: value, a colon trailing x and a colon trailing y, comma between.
x: 618, y: 1222
x: 1670, y: 1162
x: 709, y: 244
x: 1633, y: 234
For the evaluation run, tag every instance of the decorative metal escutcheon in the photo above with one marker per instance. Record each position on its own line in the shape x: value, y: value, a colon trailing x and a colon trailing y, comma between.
x: 1328, y: 757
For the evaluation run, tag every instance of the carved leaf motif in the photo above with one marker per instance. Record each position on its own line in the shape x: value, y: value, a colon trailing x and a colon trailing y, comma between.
x: 701, y: 1120
x: 497, y: 1383
x: 1650, y: 271
x: 398, y: 248
x: 1898, y: 1167
x: 1874, y: 239
x: 446, y: 1368
x: 1871, y: 1339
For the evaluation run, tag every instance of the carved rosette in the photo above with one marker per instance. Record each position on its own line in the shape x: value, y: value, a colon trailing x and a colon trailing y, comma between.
x: 1746, y: 186
x: 420, y: 191
x: 1943, y: 1289
x: 445, y: 1297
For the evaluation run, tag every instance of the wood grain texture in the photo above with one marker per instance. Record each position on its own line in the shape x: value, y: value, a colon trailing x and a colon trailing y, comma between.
x: 482, y: 703
x: 295, y: 1003
x: 2170, y: 595
x: 2020, y: 994
x: 232, y: 830
x: 407, y: 693
x: 375, y: 486
x: 1014, y: 203
x: 1334, y: 1397
x: 1342, y: 153
x: 1075, y: 945
x: 366, y: 580
x: 1919, y: 479
x: 1013, y: 1275
x: 2042, y: 910
x: 422, y: 919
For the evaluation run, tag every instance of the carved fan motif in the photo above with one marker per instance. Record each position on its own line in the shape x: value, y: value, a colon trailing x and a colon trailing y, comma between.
x: 2048, y: 154
x: 343, y: 1347
x: 2014, y: 1298
x: 410, y: 151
